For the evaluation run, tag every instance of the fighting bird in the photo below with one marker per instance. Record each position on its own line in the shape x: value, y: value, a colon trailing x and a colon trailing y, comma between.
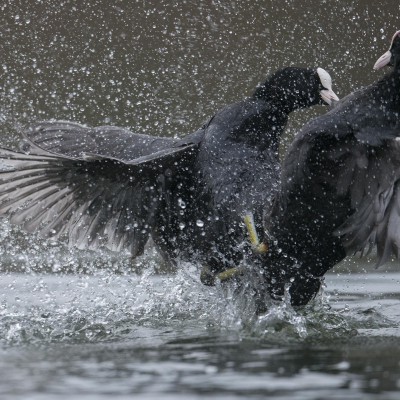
x: 340, y: 188
x: 109, y: 187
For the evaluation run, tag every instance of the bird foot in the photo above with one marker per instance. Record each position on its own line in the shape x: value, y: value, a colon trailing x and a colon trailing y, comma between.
x: 257, y: 246
x: 209, y: 278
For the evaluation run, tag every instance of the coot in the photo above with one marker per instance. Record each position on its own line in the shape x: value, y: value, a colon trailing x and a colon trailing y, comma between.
x: 108, y: 187
x: 340, y: 188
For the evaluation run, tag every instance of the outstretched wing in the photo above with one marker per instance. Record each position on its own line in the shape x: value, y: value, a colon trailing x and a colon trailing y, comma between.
x: 91, y: 200
x: 371, y: 177
x: 75, y: 140
x: 356, y: 156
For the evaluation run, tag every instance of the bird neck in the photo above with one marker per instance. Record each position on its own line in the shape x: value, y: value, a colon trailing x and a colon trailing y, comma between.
x: 264, y: 127
x: 389, y: 87
x: 281, y: 98
x: 393, y: 78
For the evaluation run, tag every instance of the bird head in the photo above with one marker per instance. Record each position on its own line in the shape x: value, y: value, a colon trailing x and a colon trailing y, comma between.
x: 392, y: 56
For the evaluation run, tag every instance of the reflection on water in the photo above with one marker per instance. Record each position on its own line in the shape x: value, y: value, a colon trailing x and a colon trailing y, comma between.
x: 163, y: 68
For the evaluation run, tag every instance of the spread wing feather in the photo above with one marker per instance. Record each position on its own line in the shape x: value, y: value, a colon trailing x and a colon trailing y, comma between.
x: 374, y: 189
x: 92, y: 203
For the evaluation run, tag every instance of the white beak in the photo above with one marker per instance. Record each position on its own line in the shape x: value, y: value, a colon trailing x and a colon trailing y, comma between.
x: 383, y: 60
x: 328, y: 96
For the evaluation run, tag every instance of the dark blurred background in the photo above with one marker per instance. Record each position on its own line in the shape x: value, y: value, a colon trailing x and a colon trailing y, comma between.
x: 163, y: 67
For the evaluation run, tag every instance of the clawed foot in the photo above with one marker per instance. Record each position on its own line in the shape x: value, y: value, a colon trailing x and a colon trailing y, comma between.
x: 209, y: 278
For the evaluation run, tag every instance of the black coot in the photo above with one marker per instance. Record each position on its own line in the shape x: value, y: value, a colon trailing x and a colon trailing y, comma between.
x: 108, y: 187
x: 340, y: 190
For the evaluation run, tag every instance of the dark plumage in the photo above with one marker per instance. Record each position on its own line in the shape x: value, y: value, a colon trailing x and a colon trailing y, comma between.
x: 107, y: 186
x: 340, y: 190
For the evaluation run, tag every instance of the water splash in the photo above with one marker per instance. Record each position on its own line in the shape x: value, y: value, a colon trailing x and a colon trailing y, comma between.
x: 71, y: 296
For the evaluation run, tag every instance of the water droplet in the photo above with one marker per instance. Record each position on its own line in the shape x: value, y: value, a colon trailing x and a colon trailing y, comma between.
x: 181, y: 226
x: 181, y: 203
x: 200, y: 223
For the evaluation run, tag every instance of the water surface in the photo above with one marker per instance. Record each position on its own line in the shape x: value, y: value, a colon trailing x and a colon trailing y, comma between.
x: 167, y: 337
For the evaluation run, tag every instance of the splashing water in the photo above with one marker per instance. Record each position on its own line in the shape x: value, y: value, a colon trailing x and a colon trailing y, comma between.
x: 104, y: 306
x: 71, y: 296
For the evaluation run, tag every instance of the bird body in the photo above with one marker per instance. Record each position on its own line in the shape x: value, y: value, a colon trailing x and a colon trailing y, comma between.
x: 234, y: 161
